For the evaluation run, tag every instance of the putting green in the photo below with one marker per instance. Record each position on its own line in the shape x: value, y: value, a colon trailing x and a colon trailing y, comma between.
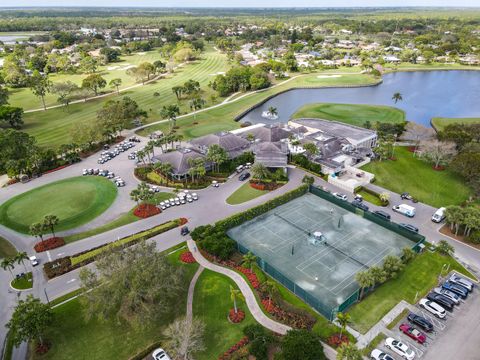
x: 75, y: 201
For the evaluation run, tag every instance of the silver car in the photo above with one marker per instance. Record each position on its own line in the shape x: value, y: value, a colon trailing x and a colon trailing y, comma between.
x: 462, y: 282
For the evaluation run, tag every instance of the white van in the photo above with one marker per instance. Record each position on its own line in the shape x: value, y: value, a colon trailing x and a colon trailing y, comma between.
x: 439, y: 215
x: 240, y: 168
x: 405, y: 209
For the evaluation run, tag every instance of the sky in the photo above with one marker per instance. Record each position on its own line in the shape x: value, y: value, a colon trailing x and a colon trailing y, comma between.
x: 241, y: 3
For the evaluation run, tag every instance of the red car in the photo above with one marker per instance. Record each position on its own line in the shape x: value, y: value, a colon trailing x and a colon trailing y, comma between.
x: 413, y: 333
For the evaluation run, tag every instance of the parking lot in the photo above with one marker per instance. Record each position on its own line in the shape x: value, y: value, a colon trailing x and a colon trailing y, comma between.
x: 448, y: 334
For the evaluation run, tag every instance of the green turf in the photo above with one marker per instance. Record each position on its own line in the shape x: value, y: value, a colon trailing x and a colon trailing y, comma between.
x: 419, y: 276
x: 75, y: 201
x: 440, y: 123
x: 372, y: 199
x: 244, y: 193
x: 122, y: 220
x: 6, y: 249
x: 351, y: 114
x: 212, y: 304
x: 23, y: 283
x: 408, y: 173
x: 52, y: 127
x: 221, y: 118
x: 71, y: 334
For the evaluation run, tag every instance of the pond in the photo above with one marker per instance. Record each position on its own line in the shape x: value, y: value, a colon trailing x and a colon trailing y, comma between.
x: 426, y: 94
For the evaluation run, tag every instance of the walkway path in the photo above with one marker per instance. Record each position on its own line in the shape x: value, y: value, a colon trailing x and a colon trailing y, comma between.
x: 249, y: 296
x: 191, y: 290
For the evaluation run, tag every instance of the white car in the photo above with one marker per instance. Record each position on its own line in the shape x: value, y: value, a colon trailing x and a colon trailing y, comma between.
x: 215, y: 183
x: 433, y: 308
x: 194, y: 196
x: 340, y: 196
x: 85, y: 172
x: 160, y: 354
x: 467, y: 284
x: 162, y: 205
x: 33, y: 260
x: 380, y: 355
x: 400, y: 348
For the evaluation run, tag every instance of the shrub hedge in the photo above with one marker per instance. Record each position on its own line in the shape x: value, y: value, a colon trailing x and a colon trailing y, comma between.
x: 69, y: 263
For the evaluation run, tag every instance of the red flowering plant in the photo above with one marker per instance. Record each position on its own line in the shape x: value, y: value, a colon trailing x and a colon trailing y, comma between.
x: 187, y: 257
x: 236, y: 317
x: 49, y: 244
x: 336, y: 340
x: 228, y: 354
x: 146, y: 210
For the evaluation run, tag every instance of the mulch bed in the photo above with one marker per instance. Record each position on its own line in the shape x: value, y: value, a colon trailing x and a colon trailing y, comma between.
x: 445, y: 230
x: 438, y: 168
x: 236, y: 317
x: 146, y: 210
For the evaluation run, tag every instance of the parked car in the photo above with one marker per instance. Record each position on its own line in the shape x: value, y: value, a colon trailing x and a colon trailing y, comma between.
x: 184, y: 231
x: 420, y: 321
x: 382, y: 214
x: 439, y: 215
x: 244, y: 176
x: 162, y: 205
x: 412, y: 332
x: 160, y: 354
x: 404, y: 209
x: 409, y: 227
x: 215, y: 183
x: 459, y: 280
x: 380, y: 355
x: 248, y: 165
x: 189, y: 198
x: 457, y: 289
x: 399, y: 348
x: 177, y: 201
x: 239, y: 168
x: 442, y: 300
x: 85, y: 172
x: 33, y: 260
x: 433, y: 308
x: 406, y: 196
x: 96, y: 171
x: 358, y: 197
x: 340, y: 196
x: 449, y: 294
x: 120, y: 183
x: 106, y: 147
x: 90, y: 171
x: 194, y: 196
x: 360, y: 205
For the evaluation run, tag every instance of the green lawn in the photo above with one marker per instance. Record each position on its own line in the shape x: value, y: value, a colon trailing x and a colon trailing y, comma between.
x: 221, y: 118
x: 244, y: 193
x: 75, y: 201
x: 419, y: 276
x: 123, y: 219
x: 372, y: 199
x: 212, y: 304
x: 440, y: 123
x: 52, y: 127
x: 6, y: 249
x: 351, y: 114
x: 72, y: 335
x: 23, y: 283
x: 408, y: 173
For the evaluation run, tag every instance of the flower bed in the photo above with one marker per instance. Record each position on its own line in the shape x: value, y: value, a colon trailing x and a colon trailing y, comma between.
x: 236, y: 317
x: 336, y: 340
x: 269, y: 186
x: 183, y: 221
x: 228, y: 354
x: 146, y: 210
x: 49, y: 244
x: 187, y: 257
x: 251, y: 276
x: 69, y: 263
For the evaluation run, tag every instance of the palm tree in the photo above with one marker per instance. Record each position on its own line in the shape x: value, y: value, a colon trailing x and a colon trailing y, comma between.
x: 384, y: 197
x: 20, y: 258
x: 270, y: 288
x: 249, y: 259
x: 235, y: 295
x: 135, y: 195
x: 272, y: 111
x: 50, y: 221
x: 343, y: 319
x: 365, y: 280
x: 8, y: 264
x: 170, y: 112
x: 348, y: 351
x: 259, y: 171
x: 166, y: 170
x: 195, y: 105
x: 36, y: 229
x: 397, y: 97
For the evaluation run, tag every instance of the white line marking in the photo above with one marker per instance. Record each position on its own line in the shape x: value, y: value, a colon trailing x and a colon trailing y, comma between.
x: 49, y: 256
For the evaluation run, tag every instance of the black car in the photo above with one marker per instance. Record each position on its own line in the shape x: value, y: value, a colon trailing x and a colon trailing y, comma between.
x: 441, y: 300
x: 457, y: 289
x: 406, y: 196
x: 420, y: 321
x: 409, y: 227
x: 184, y: 231
x: 382, y: 214
x: 360, y: 205
x: 244, y: 176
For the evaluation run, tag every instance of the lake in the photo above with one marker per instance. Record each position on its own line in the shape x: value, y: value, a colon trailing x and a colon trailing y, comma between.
x: 426, y: 94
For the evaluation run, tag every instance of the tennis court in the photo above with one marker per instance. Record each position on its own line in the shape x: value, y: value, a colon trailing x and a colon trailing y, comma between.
x: 318, y: 246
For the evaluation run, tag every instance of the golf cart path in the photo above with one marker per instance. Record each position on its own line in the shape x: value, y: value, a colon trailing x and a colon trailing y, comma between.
x: 191, y: 290
x: 249, y: 296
